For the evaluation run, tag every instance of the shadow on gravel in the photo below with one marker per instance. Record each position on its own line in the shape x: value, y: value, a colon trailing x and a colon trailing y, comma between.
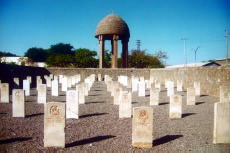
x: 95, y: 95
x: 96, y: 102
x: 165, y: 139
x: 134, y: 102
x: 198, y: 103
x: 187, y: 114
x: 33, y: 115
x: 203, y: 95
x: 90, y: 115
x: 90, y: 140
x: 14, y: 140
x: 164, y: 103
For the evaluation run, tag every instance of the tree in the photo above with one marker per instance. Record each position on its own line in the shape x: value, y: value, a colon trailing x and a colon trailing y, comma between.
x: 37, y: 54
x: 85, y: 58
x: 7, y: 54
x: 161, y: 55
x: 139, y: 59
x: 107, y: 58
x: 62, y: 48
x: 60, y: 60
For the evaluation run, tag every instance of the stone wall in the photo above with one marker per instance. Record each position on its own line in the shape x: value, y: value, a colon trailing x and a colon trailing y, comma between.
x: 112, y: 72
x: 9, y: 72
x: 210, y: 77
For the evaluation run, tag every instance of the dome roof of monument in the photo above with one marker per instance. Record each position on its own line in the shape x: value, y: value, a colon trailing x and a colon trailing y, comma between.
x: 112, y: 24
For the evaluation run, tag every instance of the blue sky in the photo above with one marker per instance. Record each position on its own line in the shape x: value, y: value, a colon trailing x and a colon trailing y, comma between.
x: 159, y: 24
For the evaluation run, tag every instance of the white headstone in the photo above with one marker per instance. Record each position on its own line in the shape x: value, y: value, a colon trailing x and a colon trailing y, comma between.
x: 134, y: 84
x: 142, y: 127
x: 141, y: 88
x: 5, y: 93
x: 69, y: 81
x: 157, y: 84
x: 221, y: 132
x: 54, y: 124
x: 18, y: 103
x: 16, y: 82
x: 224, y: 94
x: 197, y: 88
x: 99, y: 77
x: 26, y: 87
x: 125, y: 106
x: 42, y: 93
x: 48, y: 81
x: 175, y: 109
x: 81, y: 90
x: 39, y: 81
x: 117, y: 96
x: 72, y: 104
x: 191, y: 97
x: 170, y: 89
x: 64, y: 84
x: 29, y: 78
x: 154, y: 96
x: 54, y: 88
x: 179, y: 85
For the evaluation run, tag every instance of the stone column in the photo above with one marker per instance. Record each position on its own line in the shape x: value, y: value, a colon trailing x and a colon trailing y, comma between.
x: 102, y: 48
x: 125, y: 53
x: 114, y: 50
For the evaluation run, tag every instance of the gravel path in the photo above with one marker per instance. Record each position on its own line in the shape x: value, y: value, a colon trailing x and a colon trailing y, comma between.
x: 100, y: 129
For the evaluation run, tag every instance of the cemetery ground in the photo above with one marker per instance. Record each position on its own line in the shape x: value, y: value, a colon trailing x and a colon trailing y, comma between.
x: 100, y: 129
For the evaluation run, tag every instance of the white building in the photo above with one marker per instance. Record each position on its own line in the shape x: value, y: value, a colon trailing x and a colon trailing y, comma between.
x: 20, y: 60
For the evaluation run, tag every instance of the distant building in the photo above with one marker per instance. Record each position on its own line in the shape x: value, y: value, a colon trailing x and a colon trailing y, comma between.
x: 17, y: 60
x: 202, y: 64
x: 222, y: 62
x: 21, y: 61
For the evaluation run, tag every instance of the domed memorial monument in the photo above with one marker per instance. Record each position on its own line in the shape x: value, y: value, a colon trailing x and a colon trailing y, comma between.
x: 113, y: 28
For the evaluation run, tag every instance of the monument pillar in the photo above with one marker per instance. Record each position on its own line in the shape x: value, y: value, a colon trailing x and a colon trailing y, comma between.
x: 102, y: 48
x: 124, y: 53
x: 114, y: 50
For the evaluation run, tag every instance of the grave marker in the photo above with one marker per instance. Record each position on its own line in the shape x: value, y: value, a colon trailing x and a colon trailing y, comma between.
x: 142, y: 127
x: 16, y: 82
x: 54, y: 88
x: 191, y: 97
x: 141, y: 88
x: 175, y: 109
x: 18, y: 100
x: 5, y: 93
x: 197, y: 88
x: 42, y: 93
x: 221, y: 132
x: 64, y: 84
x: 26, y: 87
x: 54, y: 124
x: 72, y: 104
x: 224, y: 94
x: 117, y: 96
x: 179, y: 85
x: 125, y: 106
x: 154, y: 96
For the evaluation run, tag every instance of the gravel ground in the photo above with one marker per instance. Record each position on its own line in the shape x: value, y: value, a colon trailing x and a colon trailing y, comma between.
x: 100, y: 129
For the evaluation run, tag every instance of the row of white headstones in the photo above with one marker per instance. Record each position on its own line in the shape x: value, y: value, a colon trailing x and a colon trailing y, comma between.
x: 56, y: 112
